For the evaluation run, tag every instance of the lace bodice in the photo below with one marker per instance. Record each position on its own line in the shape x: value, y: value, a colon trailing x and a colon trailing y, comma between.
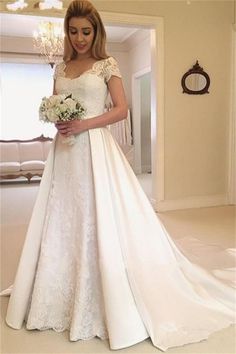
x: 90, y: 88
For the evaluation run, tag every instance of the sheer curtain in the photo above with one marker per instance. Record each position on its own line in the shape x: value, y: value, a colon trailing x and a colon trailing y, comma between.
x: 22, y: 88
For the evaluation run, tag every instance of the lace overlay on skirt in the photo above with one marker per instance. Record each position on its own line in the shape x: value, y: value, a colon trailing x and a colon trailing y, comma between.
x: 67, y: 292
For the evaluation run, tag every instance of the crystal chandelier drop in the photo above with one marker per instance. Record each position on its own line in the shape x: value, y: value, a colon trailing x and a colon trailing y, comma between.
x: 42, y: 5
x: 50, y: 4
x: 49, y: 41
x: 17, y: 5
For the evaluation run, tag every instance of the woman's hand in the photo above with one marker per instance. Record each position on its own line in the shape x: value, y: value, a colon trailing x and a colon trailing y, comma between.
x: 72, y: 127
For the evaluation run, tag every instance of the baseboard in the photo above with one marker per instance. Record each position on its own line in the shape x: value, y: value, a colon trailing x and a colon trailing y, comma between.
x: 146, y: 168
x: 190, y: 203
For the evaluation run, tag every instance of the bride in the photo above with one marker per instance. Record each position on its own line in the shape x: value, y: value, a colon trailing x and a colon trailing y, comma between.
x: 97, y: 260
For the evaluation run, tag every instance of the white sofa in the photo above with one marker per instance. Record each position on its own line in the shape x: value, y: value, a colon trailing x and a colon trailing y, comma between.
x: 23, y: 158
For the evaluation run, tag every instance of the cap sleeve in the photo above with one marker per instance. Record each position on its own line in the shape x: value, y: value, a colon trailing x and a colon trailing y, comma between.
x: 59, y: 70
x: 111, y: 68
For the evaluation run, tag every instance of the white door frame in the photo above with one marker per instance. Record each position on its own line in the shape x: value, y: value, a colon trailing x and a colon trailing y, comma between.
x: 156, y: 25
x: 136, y: 114
x: 232, y: 127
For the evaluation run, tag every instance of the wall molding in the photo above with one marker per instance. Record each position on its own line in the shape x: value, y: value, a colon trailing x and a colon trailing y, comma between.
x: 24, y: 45
x: 232, y: 128
x: 191, y: 203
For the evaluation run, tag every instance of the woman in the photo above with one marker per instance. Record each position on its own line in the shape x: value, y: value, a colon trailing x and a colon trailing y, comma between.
x: 96, y: 260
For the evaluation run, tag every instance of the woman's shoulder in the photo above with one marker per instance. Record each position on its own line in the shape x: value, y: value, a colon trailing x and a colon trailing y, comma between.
x: 59, y: 69
x: 60, y: 64
x: 111, y: 68
x: 110, y: 60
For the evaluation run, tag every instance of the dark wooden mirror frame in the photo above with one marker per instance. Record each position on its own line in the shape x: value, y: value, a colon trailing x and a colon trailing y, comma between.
x: 196, y: 69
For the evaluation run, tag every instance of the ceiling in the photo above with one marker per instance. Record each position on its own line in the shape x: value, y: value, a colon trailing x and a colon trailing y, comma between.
x: 18, y: 25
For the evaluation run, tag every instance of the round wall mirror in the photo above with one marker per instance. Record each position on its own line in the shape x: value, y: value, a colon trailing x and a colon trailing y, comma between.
x: 195, y: 81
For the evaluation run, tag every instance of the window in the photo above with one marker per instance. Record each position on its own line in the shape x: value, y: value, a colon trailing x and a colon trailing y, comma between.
x: 22, y: 88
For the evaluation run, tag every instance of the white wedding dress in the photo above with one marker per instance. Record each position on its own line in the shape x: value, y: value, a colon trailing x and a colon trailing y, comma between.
x: 97, y: 261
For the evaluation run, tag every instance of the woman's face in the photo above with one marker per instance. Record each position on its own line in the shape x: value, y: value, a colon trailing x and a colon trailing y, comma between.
x: 81, y: 34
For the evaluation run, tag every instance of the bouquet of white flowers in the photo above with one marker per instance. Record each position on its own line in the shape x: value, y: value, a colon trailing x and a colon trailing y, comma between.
x: 61, y: 108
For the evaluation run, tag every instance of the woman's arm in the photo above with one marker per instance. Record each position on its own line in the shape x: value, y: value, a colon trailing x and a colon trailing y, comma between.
x: 120, y: 107
x: 117, y: 113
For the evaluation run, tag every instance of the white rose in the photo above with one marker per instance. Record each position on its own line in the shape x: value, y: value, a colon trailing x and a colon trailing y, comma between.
x: 52, y: 116
x: 54, y: 100
x: 71, y: 104
x: 62, y: 107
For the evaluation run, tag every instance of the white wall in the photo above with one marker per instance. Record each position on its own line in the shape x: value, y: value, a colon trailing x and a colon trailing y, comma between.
x: 140, y: 55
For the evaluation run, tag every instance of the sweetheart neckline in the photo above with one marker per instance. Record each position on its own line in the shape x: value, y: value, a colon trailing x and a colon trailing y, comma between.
x: 78, y: 77
x: 84, y: 72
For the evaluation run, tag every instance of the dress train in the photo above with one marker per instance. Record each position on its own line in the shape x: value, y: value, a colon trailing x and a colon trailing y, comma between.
x: 150, y: 288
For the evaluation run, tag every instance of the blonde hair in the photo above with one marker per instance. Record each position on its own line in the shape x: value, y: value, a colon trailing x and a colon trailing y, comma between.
x: 84, y: 8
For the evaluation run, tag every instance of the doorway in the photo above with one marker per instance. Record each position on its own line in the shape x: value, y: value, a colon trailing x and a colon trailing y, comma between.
x: 156, y: 26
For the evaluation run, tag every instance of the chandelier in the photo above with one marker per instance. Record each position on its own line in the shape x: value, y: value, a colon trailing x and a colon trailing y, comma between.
x: 49, y: 41
x: 17, y: 5
x: 42, y: 5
